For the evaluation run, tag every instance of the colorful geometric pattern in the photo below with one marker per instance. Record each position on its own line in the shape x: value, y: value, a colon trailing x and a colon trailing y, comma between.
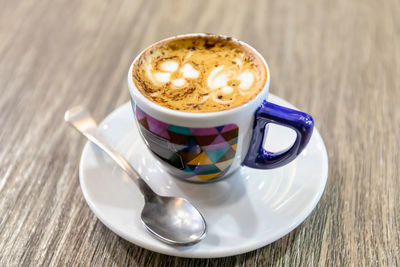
x: 205, y: 153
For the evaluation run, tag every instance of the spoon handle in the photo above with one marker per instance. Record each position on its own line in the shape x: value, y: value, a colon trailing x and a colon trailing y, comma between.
x: 80, y: 119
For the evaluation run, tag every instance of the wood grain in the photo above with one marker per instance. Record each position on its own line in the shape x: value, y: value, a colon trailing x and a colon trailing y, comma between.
x: 337, y: 60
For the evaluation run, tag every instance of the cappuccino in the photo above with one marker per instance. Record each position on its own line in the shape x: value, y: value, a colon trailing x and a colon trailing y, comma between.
x: 204, y: 73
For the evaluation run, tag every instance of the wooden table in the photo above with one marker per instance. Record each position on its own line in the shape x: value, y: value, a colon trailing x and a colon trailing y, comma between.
x: 337, y: 60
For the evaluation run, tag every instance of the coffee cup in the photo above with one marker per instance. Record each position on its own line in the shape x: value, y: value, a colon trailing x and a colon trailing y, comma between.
x: 206, y: 147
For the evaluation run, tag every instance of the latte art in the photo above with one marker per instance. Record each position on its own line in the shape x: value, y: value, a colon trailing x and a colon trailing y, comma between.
x: 199, y: 73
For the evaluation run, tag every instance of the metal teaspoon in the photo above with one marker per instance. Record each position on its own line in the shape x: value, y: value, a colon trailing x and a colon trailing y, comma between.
x: 173, y: 220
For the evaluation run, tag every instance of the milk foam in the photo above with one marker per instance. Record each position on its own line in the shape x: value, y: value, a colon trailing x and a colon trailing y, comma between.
x: 157, y: 78
x: 189, y: 72
x: 170, y: 66
x: 179, y: 82
x: 200, y: 74
x: 246, y: 80
x: 162, y: 77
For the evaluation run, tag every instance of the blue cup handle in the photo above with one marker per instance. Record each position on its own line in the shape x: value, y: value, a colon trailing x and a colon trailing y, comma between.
x: 300, y: 122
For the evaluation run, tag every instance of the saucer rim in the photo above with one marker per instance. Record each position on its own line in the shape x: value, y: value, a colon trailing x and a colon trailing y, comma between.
x: 179, y: 252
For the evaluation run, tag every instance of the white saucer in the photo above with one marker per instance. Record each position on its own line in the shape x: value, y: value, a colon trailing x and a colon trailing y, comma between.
x: 246, y: 211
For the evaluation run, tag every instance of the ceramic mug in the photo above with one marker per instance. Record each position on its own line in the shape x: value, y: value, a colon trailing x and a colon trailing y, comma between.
x: 206, y: 147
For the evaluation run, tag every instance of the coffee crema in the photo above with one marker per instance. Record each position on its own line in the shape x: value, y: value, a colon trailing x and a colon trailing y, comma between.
x: 204, y: 73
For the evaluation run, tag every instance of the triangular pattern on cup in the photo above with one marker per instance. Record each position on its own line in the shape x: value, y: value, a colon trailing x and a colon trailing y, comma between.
x: 143, y: 122
x: 219, y: 140
x: 139, y: 114
x: 204, y: 131
x: 188, y: 155
x: 204, y: 169
x: 192, y: 145
x: 177, y: 138
x: 158, y: 127
x: 179, y: 130
x: 229, y: 127
x: 229, y: 155
x: 224, y: 164
x: 201, y: 159
x: 215, y: 155
x: 229, y: 135
x: 217, y: 146
x: 219, y: 128
x: 207, y: 177
x: 206, y: 139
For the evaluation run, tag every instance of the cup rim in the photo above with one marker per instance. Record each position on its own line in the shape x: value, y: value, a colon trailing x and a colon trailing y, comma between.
x: 136, y: 94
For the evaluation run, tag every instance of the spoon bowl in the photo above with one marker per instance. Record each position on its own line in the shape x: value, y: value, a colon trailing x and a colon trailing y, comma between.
x: 162, y: 212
